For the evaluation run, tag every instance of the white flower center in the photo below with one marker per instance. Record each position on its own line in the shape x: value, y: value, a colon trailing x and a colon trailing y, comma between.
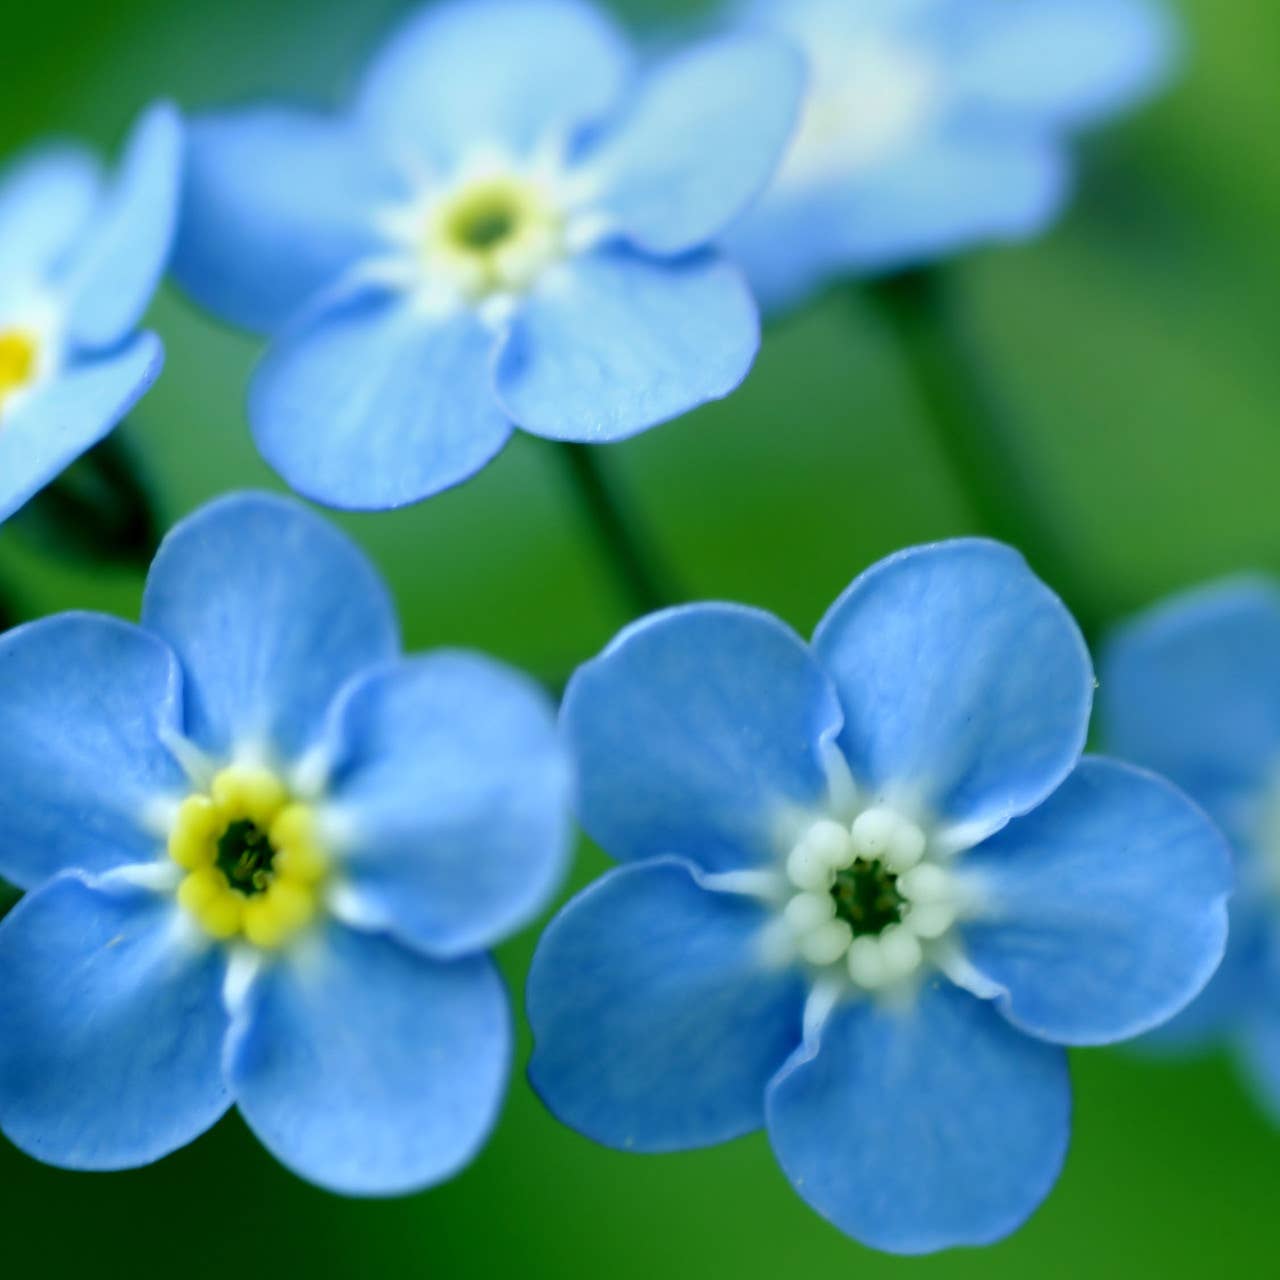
x: 489, y: 232
x: 870, y: 96
x: 868, y: 896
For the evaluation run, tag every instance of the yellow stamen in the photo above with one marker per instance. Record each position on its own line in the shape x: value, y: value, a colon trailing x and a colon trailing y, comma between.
x: 254, y: 858
x: 18, y: 358
x: 254, y: 794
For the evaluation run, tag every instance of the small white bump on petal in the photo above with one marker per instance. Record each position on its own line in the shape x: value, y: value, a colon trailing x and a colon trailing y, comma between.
x: 866, y: 963
x: 808, y: 869
x: 809, y: 910
x: 931, y: 919
x: 827, y: 943
x: 831, y: 841
x: 927, y: 883
x: 872, y: 831
x: 900, y: 951
x: 906, y: 846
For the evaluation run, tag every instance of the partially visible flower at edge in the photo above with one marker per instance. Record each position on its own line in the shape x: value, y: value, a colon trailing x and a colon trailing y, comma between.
x: 80, y: 256
x: 870, y: 889
x: 934, y: 126
x: 265, y: 855
x: 509, y: 227
x: 1192, y: 688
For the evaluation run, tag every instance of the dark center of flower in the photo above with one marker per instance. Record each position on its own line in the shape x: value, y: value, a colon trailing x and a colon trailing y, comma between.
x: 245, y: 856
x: 867, y: 897
x: 484, y: 220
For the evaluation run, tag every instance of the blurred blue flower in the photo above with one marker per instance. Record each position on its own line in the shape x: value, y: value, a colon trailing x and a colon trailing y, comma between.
x: 80, y: 256
x: 1193, y: 688
x: 265, y: 856
x: 508, y: 227
x: 870, y: 889
x: 935, y: 125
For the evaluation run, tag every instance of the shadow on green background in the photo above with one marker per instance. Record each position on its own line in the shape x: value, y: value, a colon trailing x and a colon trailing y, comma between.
x: 1136, y: 347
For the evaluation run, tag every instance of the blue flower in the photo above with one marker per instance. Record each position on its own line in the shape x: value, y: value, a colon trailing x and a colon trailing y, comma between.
x: 80, y: 257
x: 870, y: 889
x: 932, y: 126
x: 265, y: 854
x: 1193, y: 688
x: 509, y: 227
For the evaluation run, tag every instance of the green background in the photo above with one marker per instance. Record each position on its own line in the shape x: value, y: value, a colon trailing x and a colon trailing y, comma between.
x: 1135, y: 352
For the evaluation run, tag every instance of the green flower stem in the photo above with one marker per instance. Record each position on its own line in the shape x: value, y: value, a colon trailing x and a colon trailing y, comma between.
x: 971, y: 432
x: 642, y: 579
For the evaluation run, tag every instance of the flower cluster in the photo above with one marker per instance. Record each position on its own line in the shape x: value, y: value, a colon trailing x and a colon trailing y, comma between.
x: 1193, y: 689
x: 933, y: 125
x: 871, y: 887
x: 265, y: 855
x: 511, y: 225
x: 80, y: 257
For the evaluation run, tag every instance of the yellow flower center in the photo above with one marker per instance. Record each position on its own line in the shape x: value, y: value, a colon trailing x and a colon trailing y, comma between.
x: 253, y: 859
x: 18, y: 357
x: 493, y: 235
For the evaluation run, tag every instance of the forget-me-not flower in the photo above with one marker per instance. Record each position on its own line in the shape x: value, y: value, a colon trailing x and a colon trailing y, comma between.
x: 81, y: 253
x: 265, y: 855
x: 1193, y: 689
x: 509, y: 226
x: 870, y: 890
x: 932, y: 126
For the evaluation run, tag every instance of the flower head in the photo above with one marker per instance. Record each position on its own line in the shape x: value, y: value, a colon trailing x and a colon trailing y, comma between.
x: 931, y: 126
x: 870, y: 890
x: 1193, y: 689
x: 509, y: 226
x: 265, y: 855
x: 80, y: 256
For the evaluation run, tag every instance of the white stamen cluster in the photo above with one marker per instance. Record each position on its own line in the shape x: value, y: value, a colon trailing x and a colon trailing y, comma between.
x: 886, y: 845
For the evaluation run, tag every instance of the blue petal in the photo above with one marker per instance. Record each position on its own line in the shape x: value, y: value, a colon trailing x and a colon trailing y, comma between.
x: 113, y: 273
x: 694, y: 730
x: 950, y: 193
x: 702, y: 140
x: 49, y: 429
x: 494, y: 74
x: 965, y: 683
x: 1065, y: 63
x: 1192, y: 690
x: 613, y: 344
x: 1232, y: 993
x: 83, y: 702
x: 46, y: 198
x: 368, y: 1069
x: 922, y: 1128
x: 111, y: 1028
x: 454, y: 790
x: 791, y: 242
x: 656, y: 1019
x: 277, y: 204
x: 271, y: 611
x: 409, y: 406
x: 1103, y: 911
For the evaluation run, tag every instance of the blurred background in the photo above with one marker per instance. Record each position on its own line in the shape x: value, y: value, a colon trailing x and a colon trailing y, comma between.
x: 1134, y: 351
